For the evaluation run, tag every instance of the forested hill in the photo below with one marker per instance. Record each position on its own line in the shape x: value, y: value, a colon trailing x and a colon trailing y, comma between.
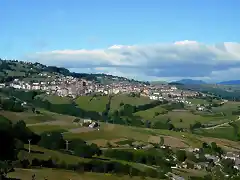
x: 11, y: 69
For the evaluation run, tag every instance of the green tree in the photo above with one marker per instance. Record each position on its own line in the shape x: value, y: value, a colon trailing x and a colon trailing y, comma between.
x: 95, y: 150
x: 52, y: 140
x: 181, y: 155
x: 83, y: 151
x: 228, y: 166
x: 8, y: 150
x: 21, y: 131
x: 191, y: 128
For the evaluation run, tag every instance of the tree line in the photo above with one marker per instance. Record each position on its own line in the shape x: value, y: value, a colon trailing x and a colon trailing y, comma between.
x: 149, y: 157
x: 11, y: 104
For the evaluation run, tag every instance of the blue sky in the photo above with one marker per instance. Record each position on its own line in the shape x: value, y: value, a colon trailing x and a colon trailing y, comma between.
x: 51, y: 27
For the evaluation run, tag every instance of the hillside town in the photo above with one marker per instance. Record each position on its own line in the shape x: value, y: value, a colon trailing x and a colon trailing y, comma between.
x: 73, y: 87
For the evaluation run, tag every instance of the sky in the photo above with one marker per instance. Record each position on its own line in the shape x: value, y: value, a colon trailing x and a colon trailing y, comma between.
x: 141, y: 39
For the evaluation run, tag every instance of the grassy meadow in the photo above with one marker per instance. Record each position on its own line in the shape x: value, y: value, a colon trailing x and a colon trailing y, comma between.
x: 90, y: 103
x: 122, y: 98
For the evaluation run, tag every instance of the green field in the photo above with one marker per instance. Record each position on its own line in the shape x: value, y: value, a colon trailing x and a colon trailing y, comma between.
x: 28, y: 117
x: 90, y: 103
x: 226, y: 132
x: 228, y: 107
x: 31, y: 118
x: 122, y: 98
x: 149, y: 114
x: 52, y: 174
x: 221, y: 132
x: 197, y: 101
x: 187, y: 118
x: 98, y: 104
x: 115, y: 133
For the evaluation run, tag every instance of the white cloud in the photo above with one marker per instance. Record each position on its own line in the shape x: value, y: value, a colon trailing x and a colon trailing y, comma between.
x: 163, y: 61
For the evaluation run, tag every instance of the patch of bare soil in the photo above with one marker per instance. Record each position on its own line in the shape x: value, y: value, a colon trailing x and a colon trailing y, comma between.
x: 169, y: 141
x: 109, y: 127
x: 119, y: 139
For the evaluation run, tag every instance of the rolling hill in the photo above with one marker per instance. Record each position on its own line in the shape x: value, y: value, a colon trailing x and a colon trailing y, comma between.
x: 11, y: 69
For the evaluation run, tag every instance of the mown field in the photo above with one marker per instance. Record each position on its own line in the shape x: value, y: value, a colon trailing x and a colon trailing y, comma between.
x: 52, y: 174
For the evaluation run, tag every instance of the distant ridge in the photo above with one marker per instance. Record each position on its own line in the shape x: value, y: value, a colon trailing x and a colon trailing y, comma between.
x: 158, y: 82
x: 230, y: 82
x: 189, y: 81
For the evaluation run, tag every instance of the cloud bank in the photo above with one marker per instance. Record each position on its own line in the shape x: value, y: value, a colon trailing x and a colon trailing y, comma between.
x: 163, y: 61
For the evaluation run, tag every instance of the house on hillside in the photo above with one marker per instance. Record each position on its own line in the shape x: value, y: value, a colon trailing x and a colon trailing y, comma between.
x: 87, y: 121
x: 93, y: 125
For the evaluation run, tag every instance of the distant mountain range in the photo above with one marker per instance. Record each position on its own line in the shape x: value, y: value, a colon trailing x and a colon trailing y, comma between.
x: 200, y: 82
x: 189, y: 81
x: 230, y: 82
